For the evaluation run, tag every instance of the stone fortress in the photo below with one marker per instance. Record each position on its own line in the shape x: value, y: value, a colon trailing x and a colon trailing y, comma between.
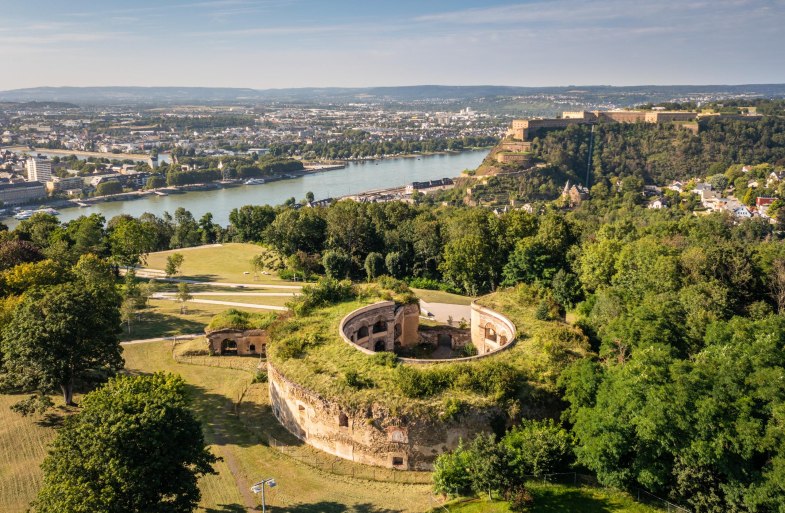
x: 524, y: 129
x: 375, y: 434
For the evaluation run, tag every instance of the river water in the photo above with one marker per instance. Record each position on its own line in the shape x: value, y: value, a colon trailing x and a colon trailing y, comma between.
x: 356, y: 177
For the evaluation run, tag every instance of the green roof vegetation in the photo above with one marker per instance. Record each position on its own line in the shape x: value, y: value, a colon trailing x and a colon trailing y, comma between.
x: 239, y: 320
x: 308, y: 350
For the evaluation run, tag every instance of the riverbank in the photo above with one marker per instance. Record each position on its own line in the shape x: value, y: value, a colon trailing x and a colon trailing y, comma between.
x: 139, y: 157
x: 219, y: 199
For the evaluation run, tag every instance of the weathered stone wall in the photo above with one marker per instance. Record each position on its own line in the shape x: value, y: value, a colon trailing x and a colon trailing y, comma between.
x: 382, y: 326
x: 372, y: 436
x: 491, y: 331
x: 458, y: 337
x: 240, y: 342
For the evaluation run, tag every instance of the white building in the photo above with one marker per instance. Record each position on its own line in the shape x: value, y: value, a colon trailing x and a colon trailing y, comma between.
x: 39, y: 169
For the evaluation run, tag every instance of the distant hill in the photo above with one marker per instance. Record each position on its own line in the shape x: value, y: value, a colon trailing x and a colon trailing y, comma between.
x: 425, y: 93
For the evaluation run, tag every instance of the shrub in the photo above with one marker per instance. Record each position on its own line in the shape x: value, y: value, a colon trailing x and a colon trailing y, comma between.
x: 385, y: 359
x: 240, y: 320
x: 354, y: 380
x: 260, y: 377
x: 543, y: 311
x: 325, y: 291
x: 450, y: 473
x: 520, y: 499
x: 468, y: 350
x: 538, y: 448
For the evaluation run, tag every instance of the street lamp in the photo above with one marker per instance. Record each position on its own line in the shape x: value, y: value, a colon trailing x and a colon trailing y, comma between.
x: 259, y: 487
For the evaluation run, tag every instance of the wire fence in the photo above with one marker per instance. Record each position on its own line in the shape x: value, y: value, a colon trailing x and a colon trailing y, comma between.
x: 343, y: 467
x: 578, y: 479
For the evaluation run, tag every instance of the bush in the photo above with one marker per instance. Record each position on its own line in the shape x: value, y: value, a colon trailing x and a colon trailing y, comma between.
x: 355, y: 381
x: 520, y: 499
x: 450, y: 473
x: 236, y: 319
x: 542, y: 313
x: 538, y: 448
x: 326, y: 291
x: 260, y: 377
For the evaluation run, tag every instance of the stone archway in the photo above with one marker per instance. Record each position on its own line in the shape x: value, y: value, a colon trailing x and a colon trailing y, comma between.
x: 229, y: 346
x: 379, y: 346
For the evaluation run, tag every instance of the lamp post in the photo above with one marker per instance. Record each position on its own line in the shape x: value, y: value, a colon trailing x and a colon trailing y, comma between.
x: 259, y: 487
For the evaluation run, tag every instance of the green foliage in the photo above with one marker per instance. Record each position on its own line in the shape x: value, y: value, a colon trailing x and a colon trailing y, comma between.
x: 134, y: 446
x: 324, y: 292
x: 537, y: 448
x: 241, y: 320
x: 450, y: 473
x: 60, y: 334
x: 374, y: 265
x: 250, y: 222
x: 337, y: 265
x: 108, y: 188
x: 173, y: 264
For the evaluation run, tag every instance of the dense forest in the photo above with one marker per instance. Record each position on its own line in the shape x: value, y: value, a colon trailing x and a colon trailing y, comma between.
x: 659, y: 154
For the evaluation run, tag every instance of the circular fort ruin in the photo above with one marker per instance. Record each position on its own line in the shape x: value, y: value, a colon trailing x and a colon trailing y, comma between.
x: 391, y: 432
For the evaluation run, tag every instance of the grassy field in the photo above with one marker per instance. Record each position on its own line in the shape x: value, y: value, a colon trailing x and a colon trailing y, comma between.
x: 236, y: 434
x: 559, y: 498
x: 438, y: 296
x: 163, y: 319
x: 225, y: 263
x: 23, y: 443
x: 237, y: 420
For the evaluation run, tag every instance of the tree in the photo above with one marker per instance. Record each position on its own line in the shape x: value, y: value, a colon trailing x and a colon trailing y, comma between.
x: 250, y: 221
x: 336, y: 264
x: 173, y: 264
x: 186, y: 230
x: 130, y: 241
x: 15, y: 252
x: 58, y: 334
x: 374, y: 265
x: 208, y: 231
x: 537, y: 448
x: 108, y: 188
x: 183, y: 295
x: 450, y: 472
x: 135, y: 446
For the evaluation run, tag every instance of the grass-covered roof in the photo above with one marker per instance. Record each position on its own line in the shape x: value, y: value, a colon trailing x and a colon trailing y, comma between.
x: 307, y: 349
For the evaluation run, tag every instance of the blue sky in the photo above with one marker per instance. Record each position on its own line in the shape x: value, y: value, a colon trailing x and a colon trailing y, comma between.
x: 301, y: 43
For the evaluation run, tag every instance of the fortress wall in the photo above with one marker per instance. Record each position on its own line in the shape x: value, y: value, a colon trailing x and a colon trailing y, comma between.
x: 372, y: 436
x: 491, y: 331
x: 248, y: 342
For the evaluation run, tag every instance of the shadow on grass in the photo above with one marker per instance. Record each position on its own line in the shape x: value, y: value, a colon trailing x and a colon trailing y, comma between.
x: 156, y: 324
x: 227, y: 508
x: 199, y: 277
x: 334, y: 507
x: 558, y: 501
x: 226, y: 424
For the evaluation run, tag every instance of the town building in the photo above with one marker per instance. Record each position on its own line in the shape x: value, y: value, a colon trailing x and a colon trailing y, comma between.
x: 39, y: 169
x: 20, y: 193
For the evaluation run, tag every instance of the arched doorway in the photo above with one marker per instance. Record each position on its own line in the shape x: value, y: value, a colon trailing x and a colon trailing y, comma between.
x: 379, y: 327
x: 379, y: 346
x: 229, y: 346
x: 445, y: 340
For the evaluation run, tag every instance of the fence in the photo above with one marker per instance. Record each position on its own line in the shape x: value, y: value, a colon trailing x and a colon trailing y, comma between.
x: 341, y: 467
x: 578, y: 479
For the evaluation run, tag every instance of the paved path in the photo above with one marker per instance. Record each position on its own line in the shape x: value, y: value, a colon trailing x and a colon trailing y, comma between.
x: 161, y: 339
x: 160, y: 276
x: 441, y: 312
x: 169, y: 295
x: 228, y: 303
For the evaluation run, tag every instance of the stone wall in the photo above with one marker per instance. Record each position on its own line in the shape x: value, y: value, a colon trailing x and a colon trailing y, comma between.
x: 372, y: 436
x: 237, y: 342
x: 435, y: 335
x: 382, y: 326
x: 491, y: 331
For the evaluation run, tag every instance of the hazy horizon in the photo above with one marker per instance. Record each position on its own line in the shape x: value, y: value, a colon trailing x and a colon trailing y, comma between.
x: 274, y: 44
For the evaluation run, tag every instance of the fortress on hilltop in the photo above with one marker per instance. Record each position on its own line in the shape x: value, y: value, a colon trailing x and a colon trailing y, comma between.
x: 525, y: 129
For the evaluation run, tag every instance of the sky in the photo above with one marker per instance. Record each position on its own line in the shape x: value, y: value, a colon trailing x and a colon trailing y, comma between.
x: 265, y: 44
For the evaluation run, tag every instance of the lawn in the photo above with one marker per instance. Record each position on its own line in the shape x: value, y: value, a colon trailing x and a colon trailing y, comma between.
x: 224, y: 263
x: 23, y: 443
x: 551, y: 498
x: 439, y: 296
x: 163, y: 319
x: 236, y: 434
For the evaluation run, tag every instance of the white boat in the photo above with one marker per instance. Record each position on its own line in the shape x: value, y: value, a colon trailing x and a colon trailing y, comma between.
x: 24, y: 214
x: 254, y: 181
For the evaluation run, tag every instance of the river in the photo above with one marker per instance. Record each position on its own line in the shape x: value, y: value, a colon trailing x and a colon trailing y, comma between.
x: 356, y: 177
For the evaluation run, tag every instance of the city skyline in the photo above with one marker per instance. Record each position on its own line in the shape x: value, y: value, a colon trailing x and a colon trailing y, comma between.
x: 304, y: 43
